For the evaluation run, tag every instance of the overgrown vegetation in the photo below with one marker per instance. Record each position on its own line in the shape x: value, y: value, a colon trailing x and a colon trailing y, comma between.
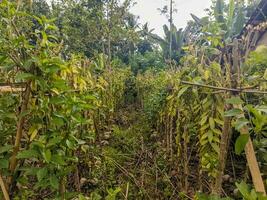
x: 95, y: 106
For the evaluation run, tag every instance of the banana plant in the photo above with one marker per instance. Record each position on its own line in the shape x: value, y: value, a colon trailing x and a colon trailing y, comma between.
x: 177, y: 42
x: 230, y: 18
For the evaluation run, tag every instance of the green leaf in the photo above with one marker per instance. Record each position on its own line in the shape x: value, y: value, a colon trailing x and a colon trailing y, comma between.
x: 243, y: 188
x: 215, y: 147
x: 58, y: 121
x: 203, y: 120
x: 210, y: 136
x: 262, y: 108
x: 4, y: 163
x: 218, y: 121
x: 54, y: 141
x: 58, y: 159
x: 2, y: 59
x: 182, y: 91
x: 54, y: 182
x: 112, y: 194
x: 232, y: 113
x: 70, y: 144
x: 27, y: 154
x: 81, y: 197
x: 212, y: 123
x: 240, y: 123
x: 231, y: 12
x: 24, y: 76
x: 33, y: 132
x: 240, y: 143
x: 47, y: 155
x: 234, y: 100
x: 5, y: 148
x: 42, y: 173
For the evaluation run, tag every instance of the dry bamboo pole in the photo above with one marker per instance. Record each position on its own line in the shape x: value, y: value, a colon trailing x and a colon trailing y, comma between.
x: 7, y: 89
x: 3, y: 187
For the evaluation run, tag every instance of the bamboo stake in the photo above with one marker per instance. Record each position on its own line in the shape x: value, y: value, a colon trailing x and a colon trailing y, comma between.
x: 3, y: 187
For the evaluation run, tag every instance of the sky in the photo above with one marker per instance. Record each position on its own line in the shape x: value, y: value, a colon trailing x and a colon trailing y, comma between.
x: 148, y: 12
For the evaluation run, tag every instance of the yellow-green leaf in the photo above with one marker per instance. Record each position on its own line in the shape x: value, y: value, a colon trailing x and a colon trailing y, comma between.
x: 212, y: 123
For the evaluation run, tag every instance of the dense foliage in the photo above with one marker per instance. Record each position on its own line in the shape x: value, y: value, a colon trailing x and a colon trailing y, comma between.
x: 98, y: 110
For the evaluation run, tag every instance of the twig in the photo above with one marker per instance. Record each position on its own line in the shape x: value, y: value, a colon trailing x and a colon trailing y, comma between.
x: 3, y: 187
x: 223, y: 88
x: 127, y: 191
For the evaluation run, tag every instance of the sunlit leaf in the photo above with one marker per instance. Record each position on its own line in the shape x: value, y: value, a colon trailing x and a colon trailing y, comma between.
x: 233, y: 113
x: 234, y: 100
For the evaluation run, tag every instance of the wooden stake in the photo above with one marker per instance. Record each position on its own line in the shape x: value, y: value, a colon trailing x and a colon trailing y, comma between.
x: 3, y: 187
x: 252, y: 160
